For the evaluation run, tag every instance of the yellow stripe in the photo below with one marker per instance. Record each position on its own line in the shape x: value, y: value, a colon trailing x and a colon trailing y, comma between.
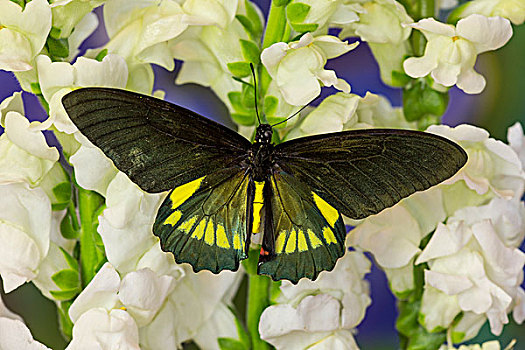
x: 237, y: 242
x: 258, y: 203
x: 328, y: 235
x: 222, y: 240
x: 330, y: 213
x: 181, y: 194
x: 188, y: 224
x: 279, y: 244
x: 301, y: 239
x: 314, y: 240
x: 173, y: 218
x: 292, y: 242
x: 209, y: 236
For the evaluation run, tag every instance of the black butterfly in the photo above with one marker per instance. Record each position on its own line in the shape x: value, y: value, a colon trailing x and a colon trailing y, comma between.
x: 224, y: 187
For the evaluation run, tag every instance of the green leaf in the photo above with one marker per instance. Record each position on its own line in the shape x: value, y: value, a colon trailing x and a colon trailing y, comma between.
x: 57, y: 47
x: 304, y: 28
x: 248, y: 96
x: 62, y: 192
x: 66, y: 228
x: 270, y: 105
x: 244, y: 337
x: 297, y: 12
x: 280, y: 3
x: 67, y: 279
x: 71, y: 261
x: 247, y: 24
x: 253, y: 16
x: 230, y: 344
x: 420, y: 101
x: 35, y: 88
x: 65, y: 324
x: 63, y: 295
x: 244, y: 119
x: 240, y: 69
x: 400, y: 79
x: 101, y: 55
x: 235, y: 98
x: 250, y: 51
x: 423, y: 340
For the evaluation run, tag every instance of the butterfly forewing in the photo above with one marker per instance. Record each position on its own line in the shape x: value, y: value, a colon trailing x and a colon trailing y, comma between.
x: 157, y: 144
x: 309, y: 233
x: 203, y: 222
x: 361, y: 172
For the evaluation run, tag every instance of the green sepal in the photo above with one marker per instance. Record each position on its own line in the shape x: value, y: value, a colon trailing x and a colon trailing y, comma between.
x: 400, y: 79
x: 275, y: 291
x: 280, y: 3
x: 67, y: 279
x: 304, y: 28
x: 235, y: 98
x: 230, y: 344
x: 239, y: 69
x: 243, y: 119
x: 270, y: 105
x: 66, y: 228
x: 250, y: 51
x: 21, y: 3
x: 65, y: 324
x: 253, y: 17
x: 247, y: 24
x: 71, y: 261
x: 100, y: 56
x: 55, y: 32
x: 244, y: 337
x: 62, y: 193
x: 297, y: 12
x: 58, y: 48
x: 35, y: 88
x: 420, y: 100
x: 63, y: 295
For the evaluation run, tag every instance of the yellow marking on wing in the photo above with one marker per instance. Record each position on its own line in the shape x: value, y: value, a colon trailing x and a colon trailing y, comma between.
x: 314, y: 240
x: 173, y: 218
x: 199, y: 230
x: 279, y: 243
x: 258, y: 203
x: 222, y: 240
x: 182, y: 193
x: 292, y: 242
x: 237, y: 241
x: 209, y: 236
x: 328, y: 235
x: 301, y: 241
x: 188, y: 224
x: 330, y: 213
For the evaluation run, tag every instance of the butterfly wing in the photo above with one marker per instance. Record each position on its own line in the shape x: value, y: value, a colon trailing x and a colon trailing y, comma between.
x: 157, y: 144
x: 361, y: 172
x: 303, y: 234
x: 204, y: 222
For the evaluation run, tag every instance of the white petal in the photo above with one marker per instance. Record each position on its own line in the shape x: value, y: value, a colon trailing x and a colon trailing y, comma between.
x: 13, y: 103
x: 272, y: 56
x: 471, y: 81
x: 431, y: 26
x: 93, y: 169
x: 14, y: 334
x: 487, y: 33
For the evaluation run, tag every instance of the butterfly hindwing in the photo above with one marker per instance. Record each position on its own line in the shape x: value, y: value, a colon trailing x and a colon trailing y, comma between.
x: 157, y: 144
x: 361, y: 172
x: 308, y: 232
x: 203, y: 222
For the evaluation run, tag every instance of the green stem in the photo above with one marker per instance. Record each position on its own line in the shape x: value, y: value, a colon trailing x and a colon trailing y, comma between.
x: 72, y: 211
x: 258, y: 299
x: 421, y: 9
x: 88, y: 203
x: 275, y: 25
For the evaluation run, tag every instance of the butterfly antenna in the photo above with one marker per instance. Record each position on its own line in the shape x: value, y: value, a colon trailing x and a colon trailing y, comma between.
x: 290, y: 117
x: 255, y: 93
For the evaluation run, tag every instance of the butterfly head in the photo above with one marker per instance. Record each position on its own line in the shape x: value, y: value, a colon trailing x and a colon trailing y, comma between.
x: 264, y: 133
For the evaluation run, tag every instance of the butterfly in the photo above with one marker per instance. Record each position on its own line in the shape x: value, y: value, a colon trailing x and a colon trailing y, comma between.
x: 223, y: 187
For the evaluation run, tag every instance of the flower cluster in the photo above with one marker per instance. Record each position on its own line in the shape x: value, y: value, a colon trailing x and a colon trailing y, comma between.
x: 78, y: 228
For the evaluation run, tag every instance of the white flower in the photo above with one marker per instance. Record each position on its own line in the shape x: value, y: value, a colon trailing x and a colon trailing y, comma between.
x: 14, y: 334
x: 490, y: 345
x: 320, y: 312
x: 451, y: 51
x: 491, y: 166
x: 25, y: 223
x: 23, y: 33
x: 68, y: 15
x: 375, y: 111
x: 13, y: 103
x: 517, y: 141
x: 58, y: 78
x: 514, y: 10
x: 298, y: 67
x: 210, y: 12
x: 206, y: 52
x: 105, y: 330
x: 25, y: 155
x: 81, y: 32
x: 471, y: 270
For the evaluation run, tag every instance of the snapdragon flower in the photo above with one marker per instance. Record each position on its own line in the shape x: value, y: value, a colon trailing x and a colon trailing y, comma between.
x: 451, y: 51
x: 513, y: 10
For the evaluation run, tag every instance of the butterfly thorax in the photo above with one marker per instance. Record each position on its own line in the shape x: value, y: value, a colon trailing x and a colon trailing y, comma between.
x: 261, y: 153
